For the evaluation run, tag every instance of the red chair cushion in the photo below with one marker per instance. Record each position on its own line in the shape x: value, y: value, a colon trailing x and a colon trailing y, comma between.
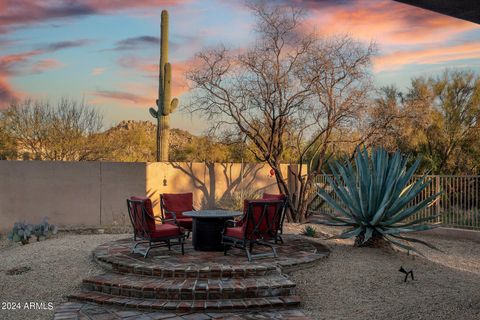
x: 236, y: 232
x: 166, y: 230
x: 149, y: 219
x: 177, y: 203
x: 185, y: 222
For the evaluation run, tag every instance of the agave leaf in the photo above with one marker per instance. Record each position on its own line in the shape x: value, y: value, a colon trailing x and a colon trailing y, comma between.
x: 367, y: 235
x: 348, y: 234
x: 418, y: 241
x: 407, y: 212
x: 325, y: 196
x: 404, y: 246
x: 338, y: 219
x: 394, y: 230
x: 417, y: 221
x: 339, y: 188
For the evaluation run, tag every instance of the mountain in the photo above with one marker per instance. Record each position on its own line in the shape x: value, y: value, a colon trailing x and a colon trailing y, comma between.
x: 179, y: 139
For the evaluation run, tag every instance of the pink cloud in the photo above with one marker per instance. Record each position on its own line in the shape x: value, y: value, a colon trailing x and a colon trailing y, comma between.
x: 179, y: 68
x: 45, y: 65
x: 7, y: 94
x: 20, y: 13
x: 443, y: 54
x: 388, y: 22
x: 98, y: 71
x: 121, y: 96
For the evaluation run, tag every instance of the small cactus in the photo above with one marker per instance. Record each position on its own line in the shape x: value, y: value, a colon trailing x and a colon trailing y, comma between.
x: 165, y: 105
x: 309, y: 231
x: 44, y: 230
x: 21, y: 232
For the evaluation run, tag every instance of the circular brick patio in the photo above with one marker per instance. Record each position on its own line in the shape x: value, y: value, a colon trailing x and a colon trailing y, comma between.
x: 294, y: 253
x: 197, y: 285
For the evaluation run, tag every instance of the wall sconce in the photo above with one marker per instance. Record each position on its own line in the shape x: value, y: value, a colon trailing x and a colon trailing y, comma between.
x: 164, y: 181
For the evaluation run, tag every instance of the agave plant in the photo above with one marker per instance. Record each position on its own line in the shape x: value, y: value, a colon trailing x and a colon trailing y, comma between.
x: 375, y: 198
x: 44, y: 230
x: 21, y: 232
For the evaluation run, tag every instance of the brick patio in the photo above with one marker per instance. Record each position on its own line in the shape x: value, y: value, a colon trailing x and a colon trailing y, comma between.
x: 198, y: 285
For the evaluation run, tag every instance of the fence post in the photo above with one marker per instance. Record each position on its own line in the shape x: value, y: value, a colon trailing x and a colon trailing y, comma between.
x: 437, y: 203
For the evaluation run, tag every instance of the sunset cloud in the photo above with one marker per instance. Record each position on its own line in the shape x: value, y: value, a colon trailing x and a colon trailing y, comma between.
x: 386, y: 22
x: 55, y: 46
x: 179, y: 68
x: 24, y: 12
x: 122, y: 96
x: 445, y: 54
x: 136, y: 43
x: 45, y: 65
x: 98, y: 71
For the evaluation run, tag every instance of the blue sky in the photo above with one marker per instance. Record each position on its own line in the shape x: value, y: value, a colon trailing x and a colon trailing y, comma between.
x: 106, y: 51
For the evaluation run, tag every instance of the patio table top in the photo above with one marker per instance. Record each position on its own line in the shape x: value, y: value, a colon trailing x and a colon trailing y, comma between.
x: 212, y: 214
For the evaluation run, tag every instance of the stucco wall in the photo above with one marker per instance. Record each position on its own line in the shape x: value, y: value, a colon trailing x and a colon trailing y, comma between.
x: 92, y: 194
x: 73, y: 194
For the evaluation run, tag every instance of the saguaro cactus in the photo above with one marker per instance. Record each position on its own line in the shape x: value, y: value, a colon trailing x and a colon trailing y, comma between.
x: 164, y: 104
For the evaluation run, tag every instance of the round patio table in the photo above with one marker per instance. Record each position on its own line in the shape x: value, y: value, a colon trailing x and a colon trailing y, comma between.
x: 207, y: 227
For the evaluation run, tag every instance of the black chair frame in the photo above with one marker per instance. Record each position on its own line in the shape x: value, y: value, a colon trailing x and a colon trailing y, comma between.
x: 144, y: 234
x: 256, y: 236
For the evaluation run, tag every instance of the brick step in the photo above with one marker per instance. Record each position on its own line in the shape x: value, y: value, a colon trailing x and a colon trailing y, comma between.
x: 186, y: 305
x: 200, y: 270
x: 81, y: 310
x: 189, y: 289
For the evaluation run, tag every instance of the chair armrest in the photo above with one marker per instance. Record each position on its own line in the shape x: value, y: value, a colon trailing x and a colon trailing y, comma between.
x: 173, y: 218
x: 232, y: 223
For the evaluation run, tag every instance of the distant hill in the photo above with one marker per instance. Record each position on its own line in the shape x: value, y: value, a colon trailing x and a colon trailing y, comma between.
x: 179, y: 139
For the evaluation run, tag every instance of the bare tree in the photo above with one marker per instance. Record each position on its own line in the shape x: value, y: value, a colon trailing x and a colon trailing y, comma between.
x: 65, y: 132
x: 288, y: 91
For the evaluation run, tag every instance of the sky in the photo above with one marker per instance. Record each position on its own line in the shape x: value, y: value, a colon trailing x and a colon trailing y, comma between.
x: 106, y: 51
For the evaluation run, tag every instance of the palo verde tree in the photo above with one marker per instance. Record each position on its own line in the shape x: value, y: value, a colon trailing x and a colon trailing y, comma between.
x: 287, y: 93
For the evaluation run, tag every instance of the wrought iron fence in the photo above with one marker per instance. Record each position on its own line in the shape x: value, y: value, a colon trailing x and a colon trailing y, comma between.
x: 457, y: 207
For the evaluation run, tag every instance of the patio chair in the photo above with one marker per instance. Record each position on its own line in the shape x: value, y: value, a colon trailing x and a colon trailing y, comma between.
x: 259, y: 226
x: 145, y: 228
x: 173, y: 205
x: 282, y: 197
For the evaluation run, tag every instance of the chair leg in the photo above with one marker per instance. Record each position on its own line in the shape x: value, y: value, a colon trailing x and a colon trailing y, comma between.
x: 251, y: 247
x: 225, y: 249
x: 249, y: 254
x: 169, y: 245
x: 183, y: 248
x: 146, y: 252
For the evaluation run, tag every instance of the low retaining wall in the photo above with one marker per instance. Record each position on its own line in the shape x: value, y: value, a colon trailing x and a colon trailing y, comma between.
x: 452, y: 233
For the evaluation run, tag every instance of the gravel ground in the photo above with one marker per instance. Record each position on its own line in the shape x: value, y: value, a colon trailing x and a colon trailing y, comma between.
x: 58, y: 266
x: 353, y: 283
x: 364, y: 283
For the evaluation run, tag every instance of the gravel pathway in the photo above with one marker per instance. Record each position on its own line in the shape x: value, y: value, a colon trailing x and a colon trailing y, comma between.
x: 364, y: 283
x: 353, y: 283
x: 58, y: 266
